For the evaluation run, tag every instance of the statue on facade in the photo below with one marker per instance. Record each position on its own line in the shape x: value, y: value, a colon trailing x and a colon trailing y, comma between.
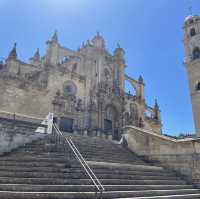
x: 79, y: 106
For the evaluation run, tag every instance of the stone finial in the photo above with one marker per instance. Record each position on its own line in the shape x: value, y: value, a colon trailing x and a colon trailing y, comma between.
x: 98, y: 41
x: 13, y: 52
x: 119, y: 55
x: 55, y: 36
x: 141, y: 80
x: 119, y: 51
x: 98, y: 36
x: 83, y: 45
x: 118, y: 45
x: 141, y: 123
x: 88, y: 43
x: 36, y: 56
x: 156, y: 111
x: 156, y: 106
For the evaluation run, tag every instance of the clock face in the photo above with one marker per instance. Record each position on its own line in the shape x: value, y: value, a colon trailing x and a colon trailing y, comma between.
x: 69, y: 88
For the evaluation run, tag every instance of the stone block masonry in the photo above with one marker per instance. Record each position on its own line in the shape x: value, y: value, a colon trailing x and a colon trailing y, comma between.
x: 180, y: 155
x: 15, y: 131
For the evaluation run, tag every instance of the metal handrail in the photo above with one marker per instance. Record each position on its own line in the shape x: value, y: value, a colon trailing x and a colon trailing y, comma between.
x: 102, y: 188
x: 72, y: 148
x: 82, y: 161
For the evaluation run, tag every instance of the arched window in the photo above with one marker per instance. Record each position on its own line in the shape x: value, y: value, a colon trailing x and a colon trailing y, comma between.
x: 198, y: 86
x: 196, y: 53
x: 192, y: 32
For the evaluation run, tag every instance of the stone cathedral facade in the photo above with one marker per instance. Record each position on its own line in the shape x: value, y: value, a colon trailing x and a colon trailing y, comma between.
x: 84, y: 89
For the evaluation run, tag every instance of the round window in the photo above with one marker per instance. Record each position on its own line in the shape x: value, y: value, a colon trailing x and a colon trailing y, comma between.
x: 69, y: 88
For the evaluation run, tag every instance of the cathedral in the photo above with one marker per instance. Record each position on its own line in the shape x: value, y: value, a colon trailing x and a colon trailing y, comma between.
x: 84, y: 88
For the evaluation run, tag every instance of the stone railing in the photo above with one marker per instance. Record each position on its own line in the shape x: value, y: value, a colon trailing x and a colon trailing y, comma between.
x: 17, y: 130
x: 181, y: 155
x: 20, y: 117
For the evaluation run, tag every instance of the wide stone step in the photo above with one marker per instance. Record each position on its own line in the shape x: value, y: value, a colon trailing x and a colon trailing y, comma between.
x: 101, y: 153
x: 83, y: 147
x: 93, y: 164
x: 33, y: 159
x: 82, y: 176
x: 185, y: 196
x: 80, y: 170
x: 117, y: 155
x: 115, y: 160
x: 104, y: 150
x: 127, y: 172
x: 82, y: 150
x: 62, y: 155
x: 91, y: 195
x: 87, y: 157
x: 48, y: 158
x: 36, y: 169
x: 85, y: 188
x: 33, y: 164
x: 84, y: 153
x: 79, y: 144
x: 124, y: 166
x: 58, y: 181
x: 90, y: 151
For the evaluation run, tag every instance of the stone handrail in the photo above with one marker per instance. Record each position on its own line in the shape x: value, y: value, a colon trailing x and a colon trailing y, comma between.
x: 181, y: 155
x: 21, y: 117
x: 18, y: 129
x: 164, y: 137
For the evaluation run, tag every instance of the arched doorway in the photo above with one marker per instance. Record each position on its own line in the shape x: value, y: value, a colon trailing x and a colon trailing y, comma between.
x: 111, y: 121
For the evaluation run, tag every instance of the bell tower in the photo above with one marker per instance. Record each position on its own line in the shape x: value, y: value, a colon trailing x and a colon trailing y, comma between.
x: 192, y: 62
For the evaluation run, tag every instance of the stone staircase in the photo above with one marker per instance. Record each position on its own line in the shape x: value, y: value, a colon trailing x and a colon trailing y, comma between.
x: 41, y: 170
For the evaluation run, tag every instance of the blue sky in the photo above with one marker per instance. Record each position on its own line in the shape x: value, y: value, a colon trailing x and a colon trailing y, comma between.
x: 150, y: 31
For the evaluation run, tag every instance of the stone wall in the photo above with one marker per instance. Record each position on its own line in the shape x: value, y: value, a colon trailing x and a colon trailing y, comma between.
x: 30, y: 100
x: 181, y: 155
x: 16, y: 131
